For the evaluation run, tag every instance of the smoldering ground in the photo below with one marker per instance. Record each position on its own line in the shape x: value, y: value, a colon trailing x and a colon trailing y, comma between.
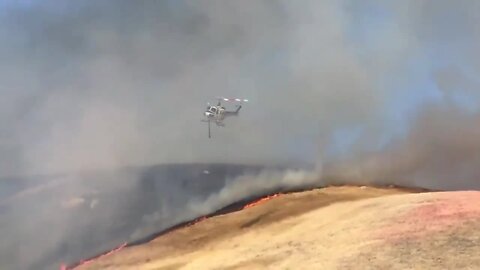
x: 100, y: 85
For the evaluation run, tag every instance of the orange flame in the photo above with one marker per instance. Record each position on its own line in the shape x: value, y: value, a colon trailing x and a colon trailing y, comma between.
x: 63, y: 267
x: 257, y: 202
x: 197, y: 221
x: 252, y: 204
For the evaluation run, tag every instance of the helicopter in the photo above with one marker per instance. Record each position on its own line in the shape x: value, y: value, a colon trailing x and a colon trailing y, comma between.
x: 218, y: 113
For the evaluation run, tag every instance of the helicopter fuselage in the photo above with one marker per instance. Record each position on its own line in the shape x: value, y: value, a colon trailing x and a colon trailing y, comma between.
x: 218, y: 113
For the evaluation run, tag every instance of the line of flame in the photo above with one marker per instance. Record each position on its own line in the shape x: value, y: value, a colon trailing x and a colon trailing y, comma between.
x: 260, y: 201
x: 85, y: 262
x: 252, y: 204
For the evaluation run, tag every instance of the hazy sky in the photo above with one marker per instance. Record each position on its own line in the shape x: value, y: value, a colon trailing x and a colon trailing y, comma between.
x: 97, y: 84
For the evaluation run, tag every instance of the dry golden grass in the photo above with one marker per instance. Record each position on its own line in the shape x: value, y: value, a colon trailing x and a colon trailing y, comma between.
x: 330, y: 228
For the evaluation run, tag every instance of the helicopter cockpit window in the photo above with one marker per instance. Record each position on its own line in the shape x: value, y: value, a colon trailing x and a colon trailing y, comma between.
x: 213, y: 109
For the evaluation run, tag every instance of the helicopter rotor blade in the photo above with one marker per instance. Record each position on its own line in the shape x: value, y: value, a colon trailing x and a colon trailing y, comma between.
x: 232, y: 99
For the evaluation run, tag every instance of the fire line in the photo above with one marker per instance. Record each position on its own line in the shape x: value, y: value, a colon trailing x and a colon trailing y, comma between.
x: 85, y: 262
x: 260, y: 201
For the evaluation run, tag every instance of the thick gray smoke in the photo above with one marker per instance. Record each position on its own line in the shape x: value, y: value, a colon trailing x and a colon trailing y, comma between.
x: 439, y: 147
x: 442, y: 151
x: 95, y: 85
x: 367, y: 92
